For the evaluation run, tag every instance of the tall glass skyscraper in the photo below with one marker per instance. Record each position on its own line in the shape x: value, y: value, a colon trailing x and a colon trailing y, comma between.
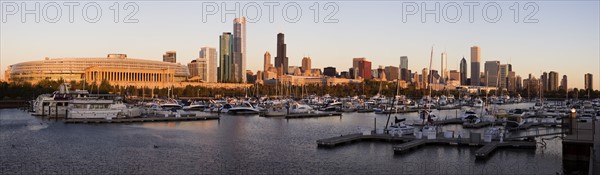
x: 239, y: 49
x: 225, y: 60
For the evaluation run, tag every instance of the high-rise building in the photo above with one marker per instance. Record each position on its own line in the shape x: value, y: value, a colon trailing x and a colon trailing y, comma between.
x: 519, y: 83
x: 281, y: 60
x: 491, y: 69
x: 225, y: 59
x: 511, y: 80
x: 392, y: 72
x: 553, y: 81
x: 330, y: 71
x: 355, y: 64
x: 404, y: 74
x: 503, y: 76
x: 306, y: 65
x: 267, y: 61
x: 364, y: 69
x: 444, y: 67
x: 475, y: 65
x: 404, y: 62
x: 463, y: 71
x: 170, y: 56
x: 425, y: 77
x: 563, y: 83
x: 239, y: 49
x: 198, y: 69
x: 210, y: 55
x: 589, y: 82
x: 544, y: 81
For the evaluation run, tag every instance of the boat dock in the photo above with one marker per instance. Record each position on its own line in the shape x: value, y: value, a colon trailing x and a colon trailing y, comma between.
x: 409, y: 142
x: 488, y: 148
x: 344, y: 139
x: 482, y: 124
x: 141, y: 119
x: 313, y: 115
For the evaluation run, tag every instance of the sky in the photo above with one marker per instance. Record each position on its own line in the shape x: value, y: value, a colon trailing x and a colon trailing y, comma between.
x: 561, y: 36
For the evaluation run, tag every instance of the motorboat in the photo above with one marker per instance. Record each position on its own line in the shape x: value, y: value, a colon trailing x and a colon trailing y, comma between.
x: 244, y: 108
x: 470, y: 117
x: 195, y: 106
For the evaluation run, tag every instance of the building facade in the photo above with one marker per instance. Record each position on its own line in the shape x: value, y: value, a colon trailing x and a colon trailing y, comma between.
x: 491, y: 69
x: 116, y: 68
x: 588, y: 82
x: 553, y: 81
x: 209, y: 54
x: 475, y: 65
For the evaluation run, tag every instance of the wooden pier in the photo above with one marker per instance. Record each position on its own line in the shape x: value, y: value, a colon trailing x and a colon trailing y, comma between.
x: 141, y: 119
x: 313, y: 115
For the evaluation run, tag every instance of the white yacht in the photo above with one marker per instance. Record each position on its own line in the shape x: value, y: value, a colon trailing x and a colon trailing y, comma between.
x: 244, y: 108
x: 92, y: 108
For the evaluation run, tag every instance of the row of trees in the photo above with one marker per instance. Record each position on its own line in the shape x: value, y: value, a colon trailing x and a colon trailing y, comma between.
x: 25, y: 90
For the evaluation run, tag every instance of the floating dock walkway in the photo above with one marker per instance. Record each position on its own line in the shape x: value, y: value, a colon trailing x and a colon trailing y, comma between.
x: 410, y: 142
x: 141, y: 119
x: 313, y: 115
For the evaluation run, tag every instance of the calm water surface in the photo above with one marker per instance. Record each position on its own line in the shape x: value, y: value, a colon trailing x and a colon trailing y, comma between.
x: 241, y: 145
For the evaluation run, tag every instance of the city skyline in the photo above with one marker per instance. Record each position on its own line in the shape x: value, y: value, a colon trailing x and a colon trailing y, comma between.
x: 527, y: 54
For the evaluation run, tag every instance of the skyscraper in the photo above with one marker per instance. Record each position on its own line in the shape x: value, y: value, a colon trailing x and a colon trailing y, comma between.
x: 392, y: 72
x: 544, y: 81
x: 170, y: 56
x: 589, y: 82
x: 563, y: 83
x: 364, y: 69
x: 425, y: 77
x: 404, y: 62
x: 553, y: 81
x: 503, y: 76
x: 239, y: 49
x: 444, y: 68
x: 210, y: 56
x: 267, y: 61
x: 355, y: 63
x: 475, y: 65
x: 306, y: 65
x: 225, y: 60
x: 463, y: 71
x: 491, y: 69
x: 281, y: 60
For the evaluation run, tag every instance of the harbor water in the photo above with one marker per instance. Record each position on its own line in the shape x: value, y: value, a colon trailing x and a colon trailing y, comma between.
x: 244, y: 145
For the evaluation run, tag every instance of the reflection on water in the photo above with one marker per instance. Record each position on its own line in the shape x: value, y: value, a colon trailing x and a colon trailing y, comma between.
x: 241, y: 145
